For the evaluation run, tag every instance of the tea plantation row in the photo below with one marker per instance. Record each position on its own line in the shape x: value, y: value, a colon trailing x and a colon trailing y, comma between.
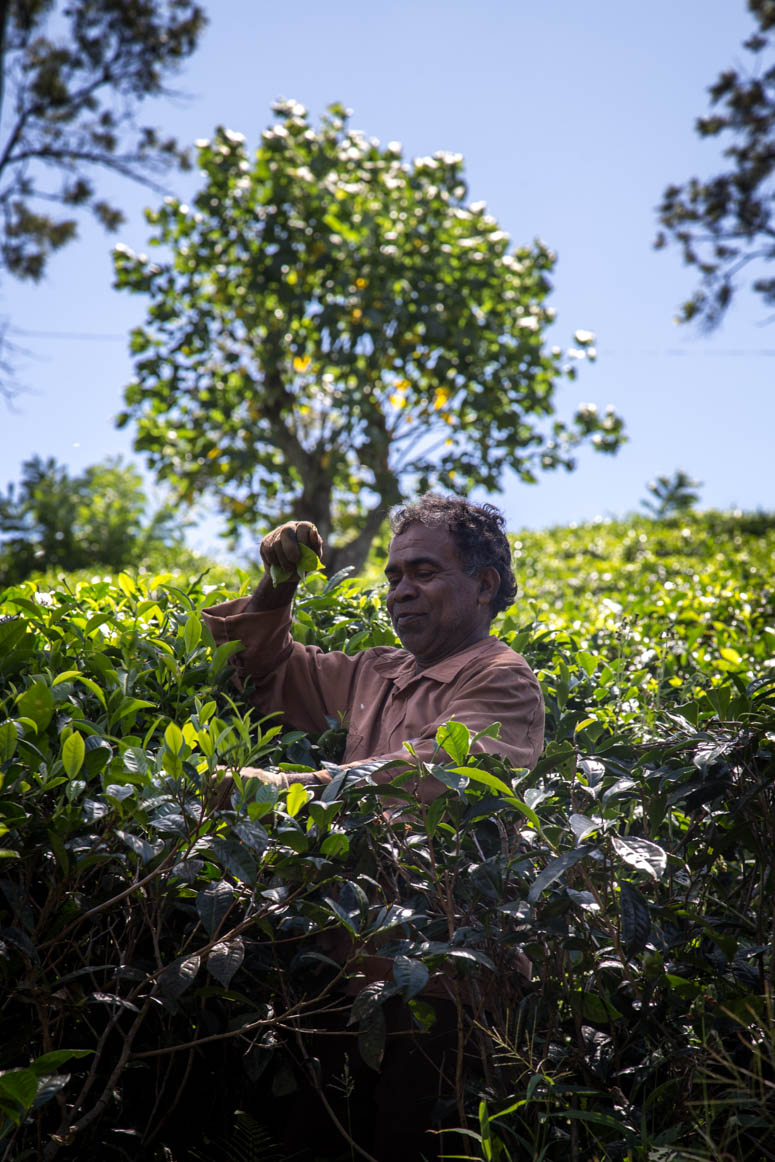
x: 166, y: 950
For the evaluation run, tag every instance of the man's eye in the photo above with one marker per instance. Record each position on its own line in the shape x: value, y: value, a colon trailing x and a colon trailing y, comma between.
x: 425, y: 574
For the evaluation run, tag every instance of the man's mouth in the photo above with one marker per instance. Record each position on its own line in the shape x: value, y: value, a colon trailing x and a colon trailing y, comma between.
x: 402, y: 620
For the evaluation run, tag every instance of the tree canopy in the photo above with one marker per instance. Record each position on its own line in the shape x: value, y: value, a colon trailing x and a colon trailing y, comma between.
x: 72, y: 77
x: 52, y: 520
x: 331, y: 327
x: 725, y: 225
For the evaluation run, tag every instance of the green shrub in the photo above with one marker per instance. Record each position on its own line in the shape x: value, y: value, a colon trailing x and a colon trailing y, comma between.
x: 166, y: 948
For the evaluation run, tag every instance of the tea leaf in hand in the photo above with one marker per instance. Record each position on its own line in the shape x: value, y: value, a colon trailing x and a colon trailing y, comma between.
x: 308, y: 562
x: 278, y: 574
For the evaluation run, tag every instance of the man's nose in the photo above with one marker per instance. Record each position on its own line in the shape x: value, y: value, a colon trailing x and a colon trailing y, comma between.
x: 403, y: 589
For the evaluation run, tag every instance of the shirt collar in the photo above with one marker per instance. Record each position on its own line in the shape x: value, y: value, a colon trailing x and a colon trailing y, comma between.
x: 399, y: 665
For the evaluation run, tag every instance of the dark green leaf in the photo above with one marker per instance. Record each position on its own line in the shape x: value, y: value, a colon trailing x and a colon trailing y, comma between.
x: 19, y: 1085
x: 372, y: 1034
x: 235, y: 858
x: 555, y: 869
x: 179, y: 976
x: 224, y: 959
x: 212, y: 904
x: 636, y: 921
x: 410, y: 975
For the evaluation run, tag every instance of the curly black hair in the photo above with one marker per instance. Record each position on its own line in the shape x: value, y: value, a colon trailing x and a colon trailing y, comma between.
x: 478, y: 532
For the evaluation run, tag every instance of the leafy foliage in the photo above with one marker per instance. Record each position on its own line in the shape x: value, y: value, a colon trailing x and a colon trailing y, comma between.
x: 335, y: 325
x: 73, y: 75
x: 57, y: 521
x: 725, y: 224
x: 165, y: 951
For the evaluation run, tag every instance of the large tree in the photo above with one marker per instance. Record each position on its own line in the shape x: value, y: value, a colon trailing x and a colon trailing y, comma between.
x: 725, y: 225
x: 331, y: 326
x: 73, y: 74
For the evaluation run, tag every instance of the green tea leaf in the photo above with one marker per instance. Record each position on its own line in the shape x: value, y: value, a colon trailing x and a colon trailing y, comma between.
x: 410, y: 975
x: 235, y: 858
x: 174, y: 981
x: 297, y: 797
x: 224, y: 959
x: 308, y: 562
x: 212, y: 904
x: 372, y: 1035
x: 173, y: 738
x: 8, y: 740
x: 20, y: 1085
x: 641, y: 854
x: 73, y: 754
x: 37, y: 703
x: 192, y: 633
x: 636, y: 920
x: 554, y: 870
x: 335, y: 846
x: 455, y: 739
x: 48, y: 1061
x: 279, y: 575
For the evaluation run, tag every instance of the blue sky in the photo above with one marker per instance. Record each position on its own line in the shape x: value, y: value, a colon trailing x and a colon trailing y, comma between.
x: 571, y: 118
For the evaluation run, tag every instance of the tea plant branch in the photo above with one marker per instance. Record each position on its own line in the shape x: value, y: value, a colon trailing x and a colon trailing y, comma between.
x: 610, y: 929
x: 148, y: 1137
x: 312, y: 1074
x: 111, y: 903
x: 65, y: 1136
x: 259, y: 1023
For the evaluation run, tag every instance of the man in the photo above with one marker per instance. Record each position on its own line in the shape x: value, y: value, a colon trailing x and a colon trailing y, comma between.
x: 449, y: 572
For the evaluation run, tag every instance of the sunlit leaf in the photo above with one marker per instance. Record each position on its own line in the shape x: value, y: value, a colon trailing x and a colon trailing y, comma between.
x: 641, y: 854
x: 179, y: 977
x: 225, y: 958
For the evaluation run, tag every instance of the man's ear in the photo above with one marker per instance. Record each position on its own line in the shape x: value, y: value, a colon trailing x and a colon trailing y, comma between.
x: 489, y: 584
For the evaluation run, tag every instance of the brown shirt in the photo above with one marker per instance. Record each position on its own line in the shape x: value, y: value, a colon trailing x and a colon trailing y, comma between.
x: 384, y: 700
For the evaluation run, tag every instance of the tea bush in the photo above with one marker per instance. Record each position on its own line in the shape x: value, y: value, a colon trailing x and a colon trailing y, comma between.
x: 168, y: 949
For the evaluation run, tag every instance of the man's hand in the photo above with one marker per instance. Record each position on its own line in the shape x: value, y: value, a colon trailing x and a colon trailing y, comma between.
x: 282, y: 547
x: 280, y: 780
x: 281, y: 550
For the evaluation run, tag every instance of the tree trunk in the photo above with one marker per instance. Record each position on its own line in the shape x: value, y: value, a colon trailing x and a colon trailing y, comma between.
x: 315, y: 500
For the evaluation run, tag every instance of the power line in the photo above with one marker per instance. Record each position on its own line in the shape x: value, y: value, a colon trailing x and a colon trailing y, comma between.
x: 67, y: 334
x: 649, y: 353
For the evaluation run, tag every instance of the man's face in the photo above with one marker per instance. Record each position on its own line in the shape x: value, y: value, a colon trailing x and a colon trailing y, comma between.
x: 436, y: 608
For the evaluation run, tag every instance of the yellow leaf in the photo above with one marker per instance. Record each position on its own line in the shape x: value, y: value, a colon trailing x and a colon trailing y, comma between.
x: 398, y: 400
x: 440, y: 398
x: 357, y: 315
x: 301, y: 364
x: 360, y: 283
x: 297, y: 797
x: 213, y: 453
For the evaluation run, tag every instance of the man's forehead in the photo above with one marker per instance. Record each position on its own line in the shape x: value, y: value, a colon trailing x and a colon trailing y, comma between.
x: 420, y: 542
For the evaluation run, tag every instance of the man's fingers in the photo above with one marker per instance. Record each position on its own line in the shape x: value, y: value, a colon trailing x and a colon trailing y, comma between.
x: 274, y: 548
x: 289, y: 547
x: 281, y: 546
x: 307, y: 534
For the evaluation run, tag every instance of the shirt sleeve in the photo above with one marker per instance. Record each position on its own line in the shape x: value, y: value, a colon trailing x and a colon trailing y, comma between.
x: 279, y: 674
